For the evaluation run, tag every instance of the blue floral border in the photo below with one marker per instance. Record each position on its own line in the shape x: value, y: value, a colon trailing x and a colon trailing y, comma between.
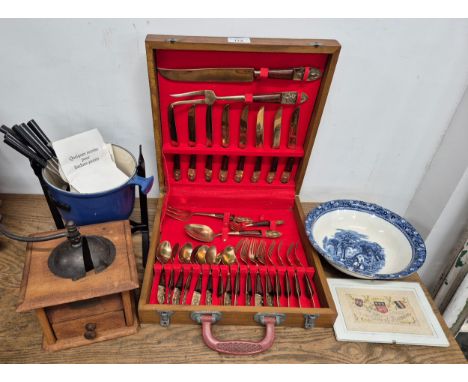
x: 417, y: 244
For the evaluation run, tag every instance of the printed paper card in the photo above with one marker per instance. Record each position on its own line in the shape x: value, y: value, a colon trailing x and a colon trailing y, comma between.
x: 87, y: 164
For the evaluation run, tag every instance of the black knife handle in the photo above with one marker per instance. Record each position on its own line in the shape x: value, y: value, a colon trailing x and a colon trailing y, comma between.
x: 258, y: 284
x: 287, y: 286
x: 191, y: 126
x: 172, y: 126
x: 171, y: 280
x: 278, y: 284
x: 198, y: 286
x: 268, y: 286
x: 248, y: 284
x: 27, y: 133
x: 180, y: 280
x: 40, y: 133
x: 220, y: 290
x: 162, y: 278
x: 11, y: 141
x: 209, y: 286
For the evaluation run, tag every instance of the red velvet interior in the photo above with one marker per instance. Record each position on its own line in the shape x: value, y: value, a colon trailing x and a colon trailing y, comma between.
x: 260, y: 201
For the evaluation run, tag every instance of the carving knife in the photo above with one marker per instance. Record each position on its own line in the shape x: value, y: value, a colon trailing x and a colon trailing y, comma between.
x: 191, y: 127
x: 178, y: 288
x: 209, y: 126
x: 225, y: 138
x: 238, y: 74
x: 187, y: 286
x: 223, y: 174
x: 198, y: 289
x: 209, y: 168
x: 258, y: 144
x: 192, y: 172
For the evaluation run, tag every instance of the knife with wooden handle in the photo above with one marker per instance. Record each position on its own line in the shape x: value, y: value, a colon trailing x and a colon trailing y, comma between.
x: 258, y: 290
x: 209, y: 168
x: 223, y: 173
x: 225, y: 137
x: 191, y: 127
x: 259, y: 131
x: 196, y: 296
x: 187, y: 286
x: 293, y: 123
x: 209, y: 290
x: 239, y: 175
x: 287, y: 170
x: 178, y: 288
x: 192, y: 172
x: 244, y: 122
x: 239, y: 74
x: 228, y: 290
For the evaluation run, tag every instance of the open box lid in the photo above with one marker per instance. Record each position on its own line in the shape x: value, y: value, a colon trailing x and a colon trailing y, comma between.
x: 183, y: 52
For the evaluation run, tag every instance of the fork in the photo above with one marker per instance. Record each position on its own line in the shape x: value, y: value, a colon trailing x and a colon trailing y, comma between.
x: 184, y: 215
x: 210, y: 98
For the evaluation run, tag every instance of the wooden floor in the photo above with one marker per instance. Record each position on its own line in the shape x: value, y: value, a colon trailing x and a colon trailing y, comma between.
x: 20, y: 335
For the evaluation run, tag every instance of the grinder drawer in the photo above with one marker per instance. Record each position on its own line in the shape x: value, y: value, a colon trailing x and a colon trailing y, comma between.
x: 95, y: 324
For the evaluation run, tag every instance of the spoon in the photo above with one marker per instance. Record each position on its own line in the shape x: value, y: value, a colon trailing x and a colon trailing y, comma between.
x: 228, y: 255
x: 212, y: 256
x: 200, y: 255
x: 164, y: 253
x: 204, y: 233
x: 185, y: 254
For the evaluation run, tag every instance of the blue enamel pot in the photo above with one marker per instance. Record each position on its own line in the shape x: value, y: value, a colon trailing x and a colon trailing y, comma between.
x: 114, y: 204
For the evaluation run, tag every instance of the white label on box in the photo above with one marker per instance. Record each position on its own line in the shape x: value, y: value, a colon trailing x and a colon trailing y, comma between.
x: 239, y: 40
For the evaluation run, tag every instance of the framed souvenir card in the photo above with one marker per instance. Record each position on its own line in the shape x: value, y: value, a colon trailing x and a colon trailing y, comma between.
x: 384, y: 312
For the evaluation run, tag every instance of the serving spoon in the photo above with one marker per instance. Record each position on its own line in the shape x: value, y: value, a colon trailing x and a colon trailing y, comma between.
x: 204, y: 233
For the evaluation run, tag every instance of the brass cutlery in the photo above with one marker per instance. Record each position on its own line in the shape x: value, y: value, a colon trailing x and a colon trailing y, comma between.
x: 185, y: 215
x: 210, y: 97
x: 204, y: 233
x: 239, y: 74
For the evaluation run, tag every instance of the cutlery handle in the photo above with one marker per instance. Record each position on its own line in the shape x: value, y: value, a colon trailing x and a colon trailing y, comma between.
x: 172, y: 126
x: 246, y: 233
x: 216, y: 215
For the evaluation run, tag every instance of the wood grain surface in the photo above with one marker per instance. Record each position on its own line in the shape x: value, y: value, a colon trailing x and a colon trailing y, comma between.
x: 21, y: 337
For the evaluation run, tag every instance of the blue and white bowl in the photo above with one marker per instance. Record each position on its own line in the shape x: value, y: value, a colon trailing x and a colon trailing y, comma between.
x: 365, y: 240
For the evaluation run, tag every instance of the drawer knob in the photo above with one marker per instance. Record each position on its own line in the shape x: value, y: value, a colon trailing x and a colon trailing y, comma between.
x: 90, y: 333
x: 90, y: 327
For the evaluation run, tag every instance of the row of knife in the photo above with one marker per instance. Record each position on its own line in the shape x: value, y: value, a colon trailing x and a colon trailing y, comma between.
x: 189, y: 284
x: 223, y: 175
x: 243, y: 126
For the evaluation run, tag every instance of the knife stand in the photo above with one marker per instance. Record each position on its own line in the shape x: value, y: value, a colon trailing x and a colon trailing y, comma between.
x: 95, y: 308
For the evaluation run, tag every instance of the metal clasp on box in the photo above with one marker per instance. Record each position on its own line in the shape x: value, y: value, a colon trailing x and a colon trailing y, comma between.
x: 165, y: 318
x: 309, y: 320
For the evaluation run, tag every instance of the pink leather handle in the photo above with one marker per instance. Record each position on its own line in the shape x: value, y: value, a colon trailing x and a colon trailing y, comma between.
x: 238, y: 347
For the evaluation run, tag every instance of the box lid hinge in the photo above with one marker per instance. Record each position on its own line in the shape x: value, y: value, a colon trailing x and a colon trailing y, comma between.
x: 165, y: 317
x: 309, y: 320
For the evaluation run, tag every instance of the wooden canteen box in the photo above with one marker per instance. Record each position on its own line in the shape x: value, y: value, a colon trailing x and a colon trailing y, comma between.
x: 184, y: 173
